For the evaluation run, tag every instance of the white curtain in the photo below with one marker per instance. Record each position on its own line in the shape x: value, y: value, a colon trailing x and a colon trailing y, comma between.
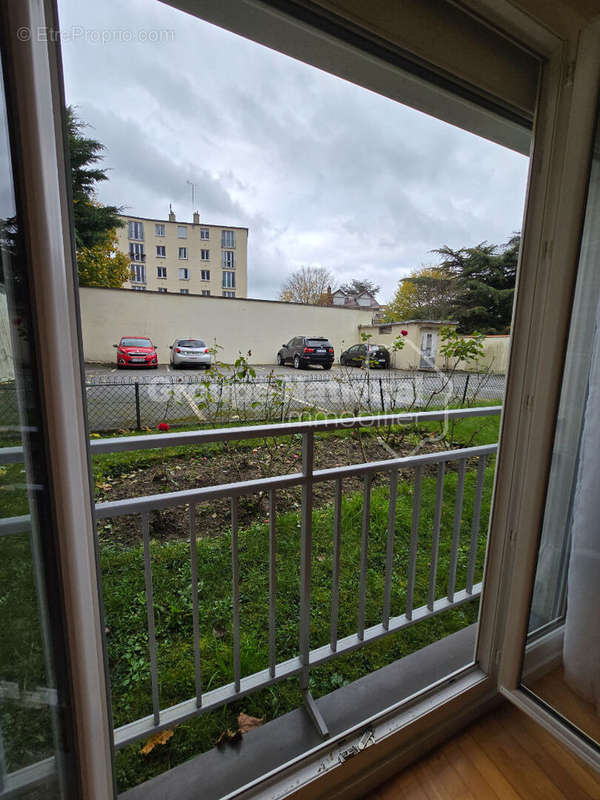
x: 581, y: 649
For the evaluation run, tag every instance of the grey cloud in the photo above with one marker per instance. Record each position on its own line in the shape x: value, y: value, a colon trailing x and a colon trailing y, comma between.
x: 321, y: 172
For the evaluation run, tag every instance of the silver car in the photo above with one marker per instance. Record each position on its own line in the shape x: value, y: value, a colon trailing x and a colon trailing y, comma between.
x: 194, y: 352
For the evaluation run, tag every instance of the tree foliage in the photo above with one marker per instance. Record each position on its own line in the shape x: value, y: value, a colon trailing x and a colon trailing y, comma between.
x: 307, y: 285
x: 95, y: 224
x: 428, y: 293
x: 358, y: 285
x: 102, y: 264
x: 473, y: 285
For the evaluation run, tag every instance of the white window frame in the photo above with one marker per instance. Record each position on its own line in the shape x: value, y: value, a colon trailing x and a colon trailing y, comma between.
x: 204, y: 234
x: 138, y: 273
x: 183, y: 257
x: 136, y: 251
x: 163, y: 248
x: 227, y: 293
x: 161, y: 272
x: 184, y: 291
x: 159, y: 229
x: 184, y: 273
x: 228, y: 239
x: 228, y: 280
x: 204, y: 255
x: 205, y: 292
x: 564, y: 127
x: 182, y: 231
x: 228, y: 259
x: 135, y: 230
x: 162, y: 290
x: 204, y: 274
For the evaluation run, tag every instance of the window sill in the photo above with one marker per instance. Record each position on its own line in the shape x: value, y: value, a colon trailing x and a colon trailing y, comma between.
x: 289, y: 746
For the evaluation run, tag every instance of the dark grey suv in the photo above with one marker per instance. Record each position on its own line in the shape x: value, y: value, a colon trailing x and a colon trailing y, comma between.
x: 304, y: 350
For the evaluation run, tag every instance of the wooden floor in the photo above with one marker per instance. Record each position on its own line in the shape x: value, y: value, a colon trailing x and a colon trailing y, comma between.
x: 553, y: 689
x: 504, y: 755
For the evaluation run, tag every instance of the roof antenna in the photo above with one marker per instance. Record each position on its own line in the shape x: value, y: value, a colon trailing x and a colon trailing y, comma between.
x: 193, y: 185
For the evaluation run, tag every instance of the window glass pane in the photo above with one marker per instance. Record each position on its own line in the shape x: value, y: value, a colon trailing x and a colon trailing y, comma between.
x: 564, y: 608
x: 32, y: 661
x: 359, y: 204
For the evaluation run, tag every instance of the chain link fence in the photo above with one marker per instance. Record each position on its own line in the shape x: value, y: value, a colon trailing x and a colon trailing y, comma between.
x: 120, y: 403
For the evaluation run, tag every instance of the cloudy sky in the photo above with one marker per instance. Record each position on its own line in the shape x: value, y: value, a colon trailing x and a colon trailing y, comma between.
x: 322, y: 172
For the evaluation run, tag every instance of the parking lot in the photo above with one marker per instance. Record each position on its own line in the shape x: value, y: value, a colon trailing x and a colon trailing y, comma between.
x: 262, y: 370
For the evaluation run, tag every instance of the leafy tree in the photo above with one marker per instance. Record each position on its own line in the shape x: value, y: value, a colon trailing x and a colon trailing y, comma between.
x: 473, y: 285
x: 484, y: 278
x: 428, y: 293
x: 102, y: 264
x: 92, y: 220
x: 307, y: 285
x: 356, y: 286
x: 95, y: 224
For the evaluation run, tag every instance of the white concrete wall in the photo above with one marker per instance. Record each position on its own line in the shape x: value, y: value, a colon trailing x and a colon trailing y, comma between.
x: 237, y: 325
x: 409, y: 357
x: 495, y: 357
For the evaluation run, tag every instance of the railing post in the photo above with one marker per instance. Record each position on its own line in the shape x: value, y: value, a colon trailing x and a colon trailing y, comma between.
x: 138, y: 420
x: 305, y: 580
x: 466, y: 388
x: 381, y: 394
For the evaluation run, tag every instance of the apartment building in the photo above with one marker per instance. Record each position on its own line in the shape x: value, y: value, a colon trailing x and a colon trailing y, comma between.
x: 176, y: 257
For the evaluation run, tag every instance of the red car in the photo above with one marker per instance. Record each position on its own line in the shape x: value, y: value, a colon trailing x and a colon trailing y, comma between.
x: 136, y: 351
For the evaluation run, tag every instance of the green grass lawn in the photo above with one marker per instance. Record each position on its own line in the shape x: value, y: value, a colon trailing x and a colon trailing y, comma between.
x: 124, y: 599
x: 123, y: 583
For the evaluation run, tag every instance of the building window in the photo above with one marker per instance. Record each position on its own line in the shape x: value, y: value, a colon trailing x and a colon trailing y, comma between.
x: 229, y: 280
x: 162, y: 290
x: 228, y: 259
x: 183, y: 252
x: 161, y: 272
x: 205, y: 274
x: 228, y: 294
x: 227, y: 238
x: 139, y: 288
x: 181, y: 232
x: 184, y: 291
x: 205, y: 292
x: 136, y: 252
x: 204, y: 233
x: 385, y: 329
x: 205, y: 255
x: 138, y: 273
x: 161, y: 251
x: 136, y: 230
x: 184, y: 274
x: 159, y: 229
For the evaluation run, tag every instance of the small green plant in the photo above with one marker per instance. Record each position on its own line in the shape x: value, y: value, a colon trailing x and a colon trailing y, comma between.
x: 456, y: 348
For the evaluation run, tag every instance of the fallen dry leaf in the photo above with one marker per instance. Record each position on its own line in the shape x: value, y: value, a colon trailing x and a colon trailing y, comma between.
x: 247, y: 723
x: 158, y: 738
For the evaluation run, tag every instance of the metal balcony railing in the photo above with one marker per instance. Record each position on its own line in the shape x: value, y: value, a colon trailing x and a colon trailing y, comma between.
x: 396, y: 469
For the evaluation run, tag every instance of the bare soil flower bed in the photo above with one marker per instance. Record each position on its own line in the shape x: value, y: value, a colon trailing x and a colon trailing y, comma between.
x: 231, y: 464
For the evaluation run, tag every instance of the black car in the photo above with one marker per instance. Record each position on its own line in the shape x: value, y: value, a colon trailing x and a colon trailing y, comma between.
x: 356, y: 356
x: 304, y: 350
